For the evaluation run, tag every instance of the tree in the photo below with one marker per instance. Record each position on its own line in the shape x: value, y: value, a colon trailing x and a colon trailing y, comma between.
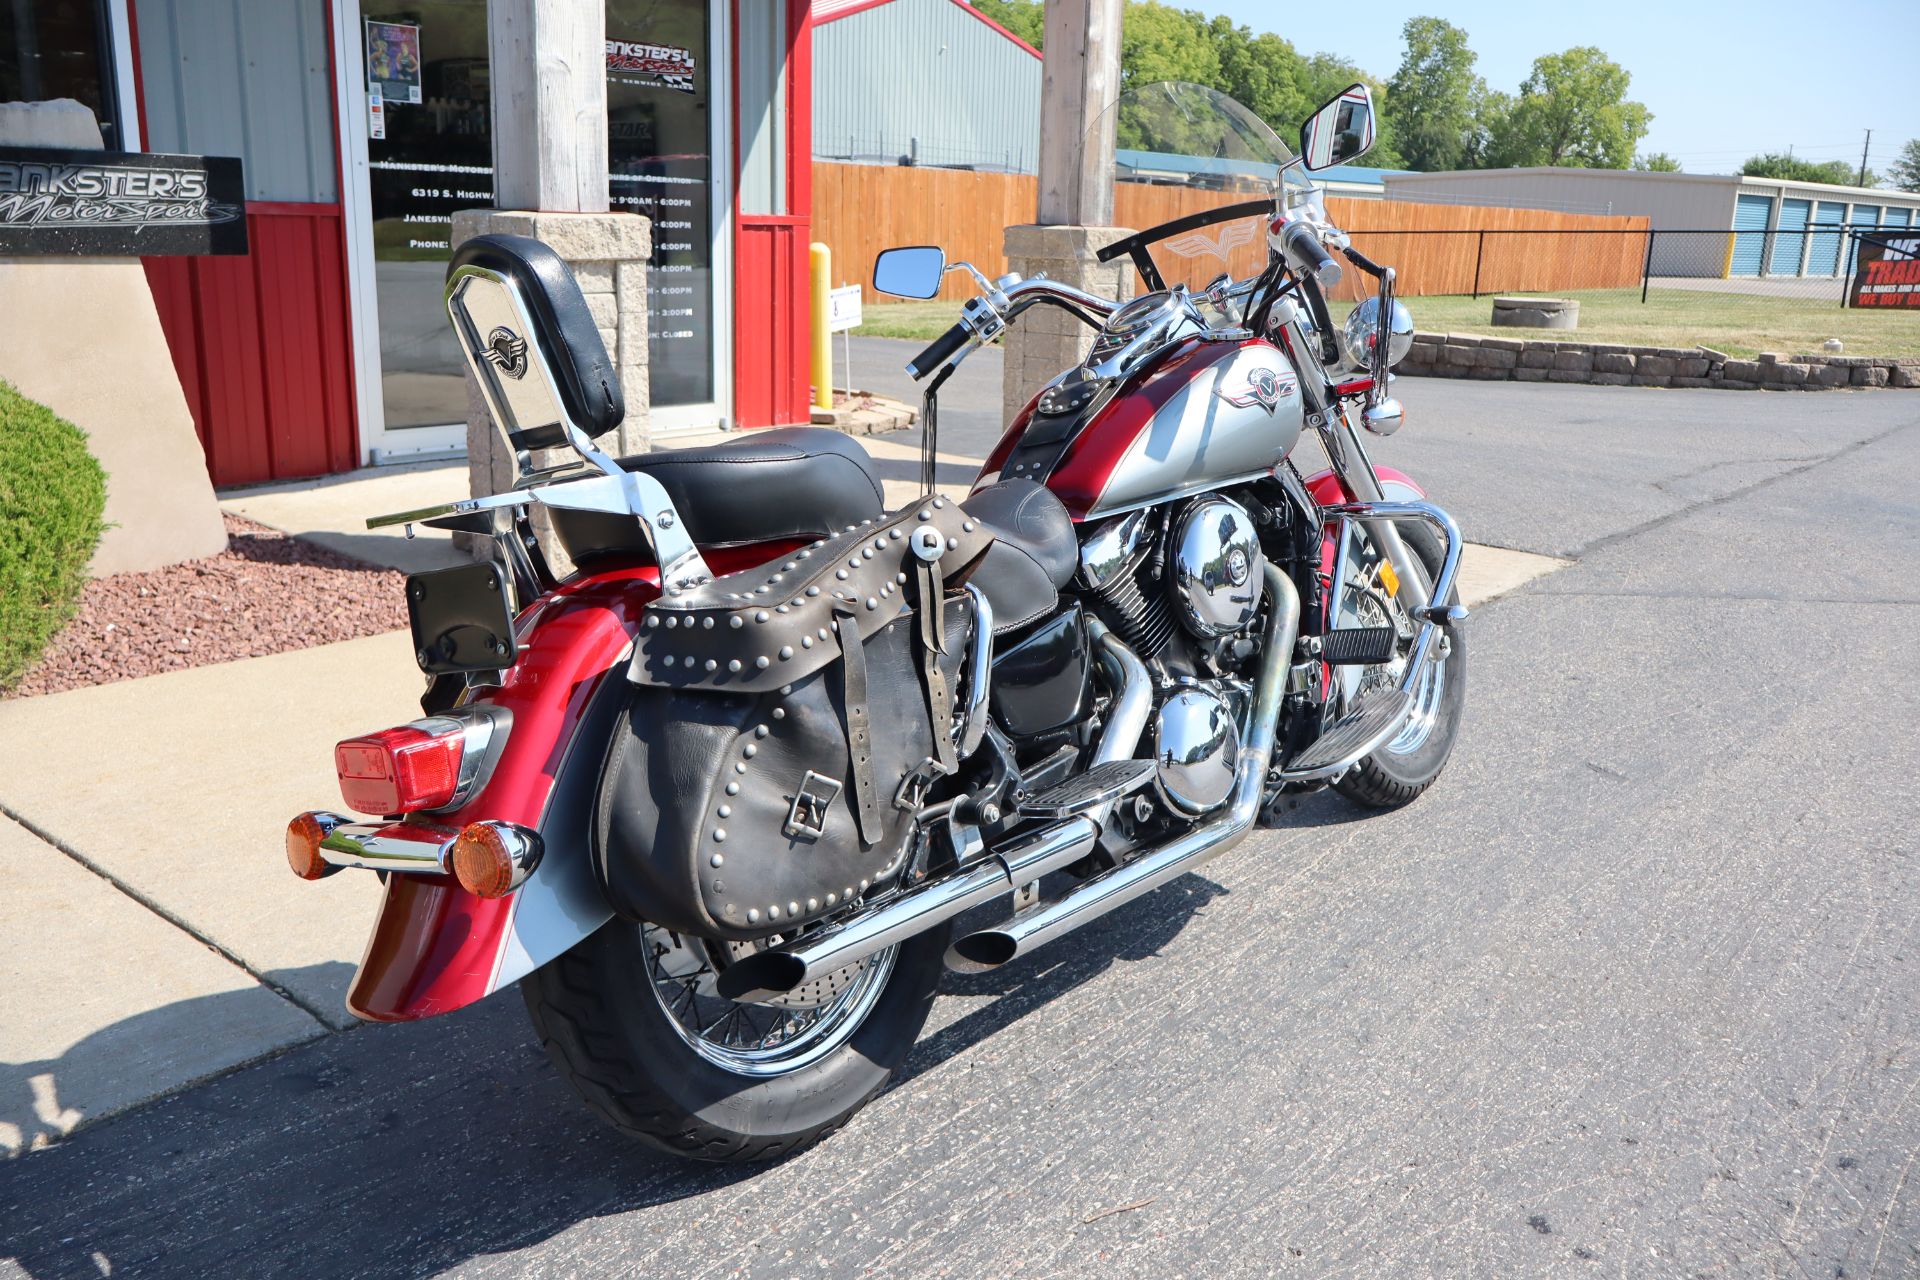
x: 1658, y: 162
x: 1573, y: 111
x: 1159, y: 42
x: 1434, y: 95
x: 1905, y: 170
x: 1795, y: 169
x: 1025, y: 18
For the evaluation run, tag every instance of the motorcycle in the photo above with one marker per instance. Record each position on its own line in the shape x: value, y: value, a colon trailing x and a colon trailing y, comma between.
x: 716, y: 795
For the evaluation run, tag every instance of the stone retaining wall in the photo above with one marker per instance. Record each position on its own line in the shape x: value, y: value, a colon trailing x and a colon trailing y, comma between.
x: 1454, y: 355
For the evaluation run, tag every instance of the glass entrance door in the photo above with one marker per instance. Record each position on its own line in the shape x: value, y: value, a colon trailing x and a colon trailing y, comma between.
x: 429, y: 151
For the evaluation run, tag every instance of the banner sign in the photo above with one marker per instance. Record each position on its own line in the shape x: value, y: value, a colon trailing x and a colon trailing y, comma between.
x: 58, y: 203
x: 1887, y: 272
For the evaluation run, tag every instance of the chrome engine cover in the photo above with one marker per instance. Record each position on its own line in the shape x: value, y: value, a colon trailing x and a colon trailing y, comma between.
x: 1217, y: 566
x: 1196, y: 750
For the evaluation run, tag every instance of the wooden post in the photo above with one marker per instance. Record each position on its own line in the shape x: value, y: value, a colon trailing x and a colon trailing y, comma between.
x: 1080, y: 79
x: 549, y: 104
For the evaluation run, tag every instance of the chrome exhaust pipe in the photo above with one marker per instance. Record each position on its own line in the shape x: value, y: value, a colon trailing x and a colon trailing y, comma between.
x: 991, y: 948
x: 777, y: 971
x: 1132, y: 698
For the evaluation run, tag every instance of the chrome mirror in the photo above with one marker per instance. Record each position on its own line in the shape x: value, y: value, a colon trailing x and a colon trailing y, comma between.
x: 1340, y: 131
x: 910, y: 272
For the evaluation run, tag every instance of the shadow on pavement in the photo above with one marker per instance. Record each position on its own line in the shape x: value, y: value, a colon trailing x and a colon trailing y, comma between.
x: 404, y: 1150
x: 118, y: 1066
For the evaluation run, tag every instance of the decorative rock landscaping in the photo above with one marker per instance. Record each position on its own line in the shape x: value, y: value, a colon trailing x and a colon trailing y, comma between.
x: 1454, y: 355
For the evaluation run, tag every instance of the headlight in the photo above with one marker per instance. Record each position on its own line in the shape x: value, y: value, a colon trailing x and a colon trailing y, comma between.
x: 1356, y: 338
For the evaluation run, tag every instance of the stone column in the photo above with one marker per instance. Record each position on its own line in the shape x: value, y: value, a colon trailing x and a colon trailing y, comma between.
x: 1080, y: 80
x: 550, y: 182
x: 1047, y: 340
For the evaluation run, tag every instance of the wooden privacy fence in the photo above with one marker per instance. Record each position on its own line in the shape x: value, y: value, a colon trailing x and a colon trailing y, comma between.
x: 1435, y: 248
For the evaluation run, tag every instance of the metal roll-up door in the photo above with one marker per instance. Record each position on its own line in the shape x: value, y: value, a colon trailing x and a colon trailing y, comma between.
x: 1750, y: 215
x: 1864, y: 215
x: 1894, y: 217
x: 1823, y: 254
x: 1789, y: 238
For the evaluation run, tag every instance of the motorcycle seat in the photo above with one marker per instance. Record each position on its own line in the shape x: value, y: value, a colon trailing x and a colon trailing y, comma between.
x: 768, y: 486
x: 1035, y: 551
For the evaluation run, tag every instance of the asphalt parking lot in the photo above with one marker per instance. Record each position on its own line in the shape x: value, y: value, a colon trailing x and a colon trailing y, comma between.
x: 1633, y: 990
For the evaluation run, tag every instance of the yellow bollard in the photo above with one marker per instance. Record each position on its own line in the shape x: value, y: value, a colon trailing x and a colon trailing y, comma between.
x: 820, y: 262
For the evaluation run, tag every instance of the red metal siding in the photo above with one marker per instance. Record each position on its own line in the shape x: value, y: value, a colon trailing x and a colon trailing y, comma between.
x: 263, y: 346
x: 771, y: 333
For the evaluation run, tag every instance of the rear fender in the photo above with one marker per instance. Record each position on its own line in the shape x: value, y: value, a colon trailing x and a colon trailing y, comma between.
x: 435, y: 947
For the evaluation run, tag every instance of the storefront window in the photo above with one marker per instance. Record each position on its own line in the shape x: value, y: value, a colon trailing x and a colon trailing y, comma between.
x: 430, y: 151
x: 59, y: 49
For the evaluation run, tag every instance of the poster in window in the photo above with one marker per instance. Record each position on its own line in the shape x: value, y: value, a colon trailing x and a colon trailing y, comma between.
x: 393, y: 61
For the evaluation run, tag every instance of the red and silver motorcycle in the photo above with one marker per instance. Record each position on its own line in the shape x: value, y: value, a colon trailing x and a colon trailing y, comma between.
x: 712, y: 765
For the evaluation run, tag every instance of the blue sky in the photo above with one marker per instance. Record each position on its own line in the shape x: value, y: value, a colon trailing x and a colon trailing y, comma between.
x: 1723, y: 81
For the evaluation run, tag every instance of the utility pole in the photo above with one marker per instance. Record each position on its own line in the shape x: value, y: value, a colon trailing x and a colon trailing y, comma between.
x: 1861, y: 181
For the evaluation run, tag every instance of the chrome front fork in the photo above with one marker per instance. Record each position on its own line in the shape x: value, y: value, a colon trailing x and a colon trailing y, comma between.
x: 1349, y: 458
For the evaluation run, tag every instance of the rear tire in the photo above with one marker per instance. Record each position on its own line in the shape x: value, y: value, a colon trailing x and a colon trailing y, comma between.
x: 1388, y: 778
x: 598, y: 1017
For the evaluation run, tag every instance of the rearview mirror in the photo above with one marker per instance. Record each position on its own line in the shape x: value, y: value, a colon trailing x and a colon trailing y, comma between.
x: 1340, y: 131
x: 911, y: 272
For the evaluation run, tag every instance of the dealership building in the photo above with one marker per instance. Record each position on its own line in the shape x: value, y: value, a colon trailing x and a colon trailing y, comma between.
x: 1780, y: 228
x: 362, y: 125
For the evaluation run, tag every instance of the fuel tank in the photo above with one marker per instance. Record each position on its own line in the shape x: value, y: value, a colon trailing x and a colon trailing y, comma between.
x: 1210, y: 413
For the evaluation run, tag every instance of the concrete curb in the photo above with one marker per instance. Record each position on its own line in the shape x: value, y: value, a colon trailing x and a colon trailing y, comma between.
x: 1458, y: 355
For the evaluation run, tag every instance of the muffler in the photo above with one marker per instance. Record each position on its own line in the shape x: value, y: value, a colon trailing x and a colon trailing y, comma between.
x: 990, y: 948
x: 767, y: 974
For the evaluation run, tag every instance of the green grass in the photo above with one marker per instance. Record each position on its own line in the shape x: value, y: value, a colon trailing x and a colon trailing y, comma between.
x: 1738, y: 324
x: 52, y: 493
x: 920, y: 321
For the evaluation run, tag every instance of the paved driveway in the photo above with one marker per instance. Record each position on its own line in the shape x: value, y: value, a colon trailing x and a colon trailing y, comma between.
x: 1633, y: 990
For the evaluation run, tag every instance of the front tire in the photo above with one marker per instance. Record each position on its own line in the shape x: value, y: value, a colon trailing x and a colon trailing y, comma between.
x: 627, y: 1051
x: 1398, y: 772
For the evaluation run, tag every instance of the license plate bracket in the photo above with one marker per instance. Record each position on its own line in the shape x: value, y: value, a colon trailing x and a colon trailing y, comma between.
x: 462, y: 619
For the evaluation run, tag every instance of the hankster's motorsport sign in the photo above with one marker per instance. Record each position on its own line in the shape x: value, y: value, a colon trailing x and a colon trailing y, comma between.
x: 1887, y: 272
x: 56, y: 203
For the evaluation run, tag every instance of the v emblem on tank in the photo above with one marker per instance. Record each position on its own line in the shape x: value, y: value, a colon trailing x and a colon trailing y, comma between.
x: 1263, y: 386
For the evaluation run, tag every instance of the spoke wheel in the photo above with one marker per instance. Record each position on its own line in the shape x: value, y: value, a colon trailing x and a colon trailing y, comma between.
x: 764, y: 1039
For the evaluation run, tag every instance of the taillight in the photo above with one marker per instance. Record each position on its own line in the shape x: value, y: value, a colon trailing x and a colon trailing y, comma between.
x: 416, y: 766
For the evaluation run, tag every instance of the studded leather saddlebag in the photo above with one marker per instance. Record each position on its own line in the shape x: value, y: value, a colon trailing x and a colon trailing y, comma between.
x: 780, y: 728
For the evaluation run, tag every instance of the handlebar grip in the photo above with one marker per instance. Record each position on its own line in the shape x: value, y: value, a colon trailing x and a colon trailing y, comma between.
x: 1304, y: 243
x: 940, y: 352
x: 1363, y: 262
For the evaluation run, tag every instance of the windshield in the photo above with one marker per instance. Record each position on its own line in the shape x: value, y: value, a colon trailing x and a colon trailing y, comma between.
x: 1181, y: 148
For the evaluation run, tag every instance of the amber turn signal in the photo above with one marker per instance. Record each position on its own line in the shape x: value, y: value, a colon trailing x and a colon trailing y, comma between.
x: 492, y: 859
x: 304, y: 835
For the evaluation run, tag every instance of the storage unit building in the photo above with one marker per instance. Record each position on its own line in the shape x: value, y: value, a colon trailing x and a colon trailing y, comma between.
x: 932, y: 82
x: 1776, y: 225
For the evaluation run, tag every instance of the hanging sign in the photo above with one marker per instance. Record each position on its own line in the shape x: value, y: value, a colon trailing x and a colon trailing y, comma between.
x: 56, y: 202
x: 1887, y: 272
x: 393, y: 61
x: 653, y: 66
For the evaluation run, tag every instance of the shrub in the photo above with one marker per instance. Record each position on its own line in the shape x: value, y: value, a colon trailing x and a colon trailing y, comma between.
x: 52, y: 493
